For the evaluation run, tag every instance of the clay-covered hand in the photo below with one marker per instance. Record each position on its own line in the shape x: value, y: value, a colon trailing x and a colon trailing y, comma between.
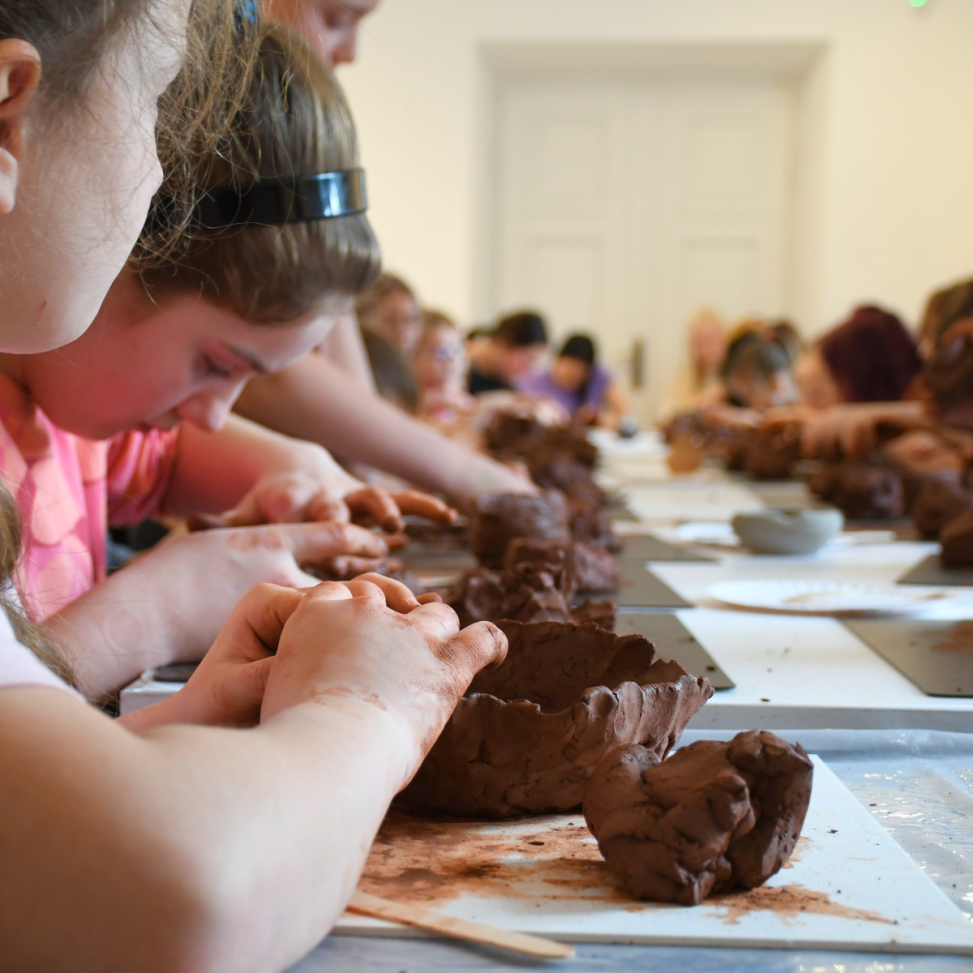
x: 227, y: 688
x: 853, y: 429
x: 345, y: 646
x: 925, y: 453
x: 295, y: 497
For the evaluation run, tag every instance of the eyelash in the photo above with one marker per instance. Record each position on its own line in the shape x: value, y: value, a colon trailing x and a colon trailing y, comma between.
x: 212, y: 368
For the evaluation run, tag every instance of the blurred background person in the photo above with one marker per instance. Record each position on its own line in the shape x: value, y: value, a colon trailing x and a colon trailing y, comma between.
x: 580, y: 385
x: 870, y: 357
x: 757, y: 371
x: 330, y: 27
x: 440, y: 367
x: 390, y: 309
x: 789, y: 338
x: 506, y: 355
x: 699, y: 381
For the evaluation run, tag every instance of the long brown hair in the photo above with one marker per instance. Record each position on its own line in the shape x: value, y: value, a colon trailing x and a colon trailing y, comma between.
x: 294, y: 121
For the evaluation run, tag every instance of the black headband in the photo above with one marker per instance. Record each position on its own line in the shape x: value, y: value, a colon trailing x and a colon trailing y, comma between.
x: 275, y: 202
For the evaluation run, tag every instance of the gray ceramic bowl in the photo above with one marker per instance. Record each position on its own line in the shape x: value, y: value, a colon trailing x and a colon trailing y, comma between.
x: 773, y: 531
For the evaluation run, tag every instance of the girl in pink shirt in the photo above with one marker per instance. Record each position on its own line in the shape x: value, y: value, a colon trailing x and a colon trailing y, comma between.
x: 126, y: 421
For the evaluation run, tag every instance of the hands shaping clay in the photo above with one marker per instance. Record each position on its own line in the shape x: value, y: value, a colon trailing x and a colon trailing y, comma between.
x: 713, y: 817
x: 528, y: 734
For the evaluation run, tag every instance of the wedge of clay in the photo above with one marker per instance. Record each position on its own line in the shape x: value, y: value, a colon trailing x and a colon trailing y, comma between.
x: 713, y: 817
x: 528, y: 734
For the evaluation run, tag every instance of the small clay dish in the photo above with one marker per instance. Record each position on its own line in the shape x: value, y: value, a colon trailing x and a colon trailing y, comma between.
x: 528, y: 734
x: 773, y: 531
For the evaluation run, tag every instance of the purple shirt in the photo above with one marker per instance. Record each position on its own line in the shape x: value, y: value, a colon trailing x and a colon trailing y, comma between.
x: 593, y: 392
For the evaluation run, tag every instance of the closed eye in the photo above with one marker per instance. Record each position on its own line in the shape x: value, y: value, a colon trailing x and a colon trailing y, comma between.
x: 217, y: 369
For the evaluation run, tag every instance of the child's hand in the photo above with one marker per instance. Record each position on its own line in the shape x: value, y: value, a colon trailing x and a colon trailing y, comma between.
x: 170, y: 604
x: 297, y: 497
x: 345, y: 647
x: 227, y: 689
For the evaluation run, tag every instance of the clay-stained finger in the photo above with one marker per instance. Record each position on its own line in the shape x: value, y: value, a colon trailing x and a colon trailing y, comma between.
x: 483, y: 644
x: 319, y: 542
x: 330, y: 591
x: 430, y: 598
x: 416, y: 504
x: 266, y: 609
x: 365, y: 587
x: 350, y: 567
x: 436, y: 619
x: 330, y: 508
x: 372, y: 505
x: 397, y: 596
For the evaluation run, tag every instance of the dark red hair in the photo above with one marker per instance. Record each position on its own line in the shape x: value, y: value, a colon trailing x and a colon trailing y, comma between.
x: 872, y: 356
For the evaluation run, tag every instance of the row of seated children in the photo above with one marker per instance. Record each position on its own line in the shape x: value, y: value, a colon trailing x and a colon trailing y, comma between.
x: 422, y: 363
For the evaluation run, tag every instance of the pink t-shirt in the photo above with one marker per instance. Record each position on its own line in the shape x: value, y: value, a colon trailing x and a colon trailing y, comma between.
x: 69, y: 490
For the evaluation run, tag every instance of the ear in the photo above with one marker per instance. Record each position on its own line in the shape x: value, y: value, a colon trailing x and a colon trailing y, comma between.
x: 20, y: 73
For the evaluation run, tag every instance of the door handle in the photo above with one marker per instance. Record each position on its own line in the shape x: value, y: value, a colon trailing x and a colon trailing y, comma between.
x: 637, y: 364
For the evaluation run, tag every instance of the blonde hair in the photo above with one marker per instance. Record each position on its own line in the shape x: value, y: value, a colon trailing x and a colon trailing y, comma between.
x: 293, y: 121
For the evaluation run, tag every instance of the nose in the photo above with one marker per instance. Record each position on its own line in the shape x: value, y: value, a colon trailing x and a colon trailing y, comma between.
x: 347, y: 50
x: 208, y: 410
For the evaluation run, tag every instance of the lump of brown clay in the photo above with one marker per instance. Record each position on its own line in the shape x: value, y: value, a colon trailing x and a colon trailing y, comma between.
x: 596, y: 571
x: 554, y: 558
x: 772, y: 453
x: 939, y: 501
x: 591, y: 524
x: 861, y: 491
x: 602, y: 613
x: 510, y: 435
x: 502, y: 517
x: 957, y: 541
x: 581, y: 567
x: 528, y: 734
x: 713, y: 817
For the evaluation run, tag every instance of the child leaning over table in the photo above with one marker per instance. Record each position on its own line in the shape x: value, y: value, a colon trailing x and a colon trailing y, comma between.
x: 131, y: 419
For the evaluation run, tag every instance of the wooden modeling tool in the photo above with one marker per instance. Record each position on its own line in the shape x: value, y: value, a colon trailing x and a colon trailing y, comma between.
x: 474, y: 932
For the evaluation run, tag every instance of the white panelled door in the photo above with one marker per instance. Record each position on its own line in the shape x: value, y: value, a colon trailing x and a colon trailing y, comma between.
x: 622, y: 206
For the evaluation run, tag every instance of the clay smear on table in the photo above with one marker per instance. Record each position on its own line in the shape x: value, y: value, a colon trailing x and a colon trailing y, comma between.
x: 788, y: 902
x: 428, y: 862
x: 958, y: 641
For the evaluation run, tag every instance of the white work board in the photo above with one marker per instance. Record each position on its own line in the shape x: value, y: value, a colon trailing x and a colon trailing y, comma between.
x: 848, y: 886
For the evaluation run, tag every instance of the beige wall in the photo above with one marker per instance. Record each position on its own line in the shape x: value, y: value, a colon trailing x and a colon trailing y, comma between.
x: 885, y: 190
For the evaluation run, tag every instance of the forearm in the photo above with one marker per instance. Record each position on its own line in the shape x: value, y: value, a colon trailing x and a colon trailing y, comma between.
x: 214, y: 470
x: 313, y: 400
x: 153, y: 612
x: 114, y: 632
x: 188, y: 848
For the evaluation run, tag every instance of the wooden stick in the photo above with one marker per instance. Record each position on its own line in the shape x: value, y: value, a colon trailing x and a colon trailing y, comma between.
x: 410, y: 915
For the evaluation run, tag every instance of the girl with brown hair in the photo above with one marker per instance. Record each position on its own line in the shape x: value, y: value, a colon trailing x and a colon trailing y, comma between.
x: 159, y: 371
x: 189, y: 848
